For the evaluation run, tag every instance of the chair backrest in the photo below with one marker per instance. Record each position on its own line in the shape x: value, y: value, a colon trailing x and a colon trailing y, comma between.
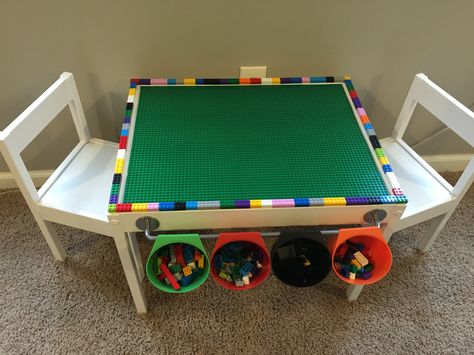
x: 29, y: 124
x: 445, y: 108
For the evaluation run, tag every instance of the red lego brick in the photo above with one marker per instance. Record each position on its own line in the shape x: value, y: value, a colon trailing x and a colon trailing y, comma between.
x: 123, y: 142
x: 178, y: 249
x: 169, y: 276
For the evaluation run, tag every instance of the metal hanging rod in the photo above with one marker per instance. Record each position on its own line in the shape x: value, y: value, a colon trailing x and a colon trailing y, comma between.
x: 150, y: 224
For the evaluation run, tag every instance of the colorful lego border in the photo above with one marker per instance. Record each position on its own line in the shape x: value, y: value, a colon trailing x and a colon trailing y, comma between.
x: 397, y: 196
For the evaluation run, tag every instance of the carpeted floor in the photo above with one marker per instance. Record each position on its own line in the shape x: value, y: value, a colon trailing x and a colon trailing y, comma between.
x: 424, y: 305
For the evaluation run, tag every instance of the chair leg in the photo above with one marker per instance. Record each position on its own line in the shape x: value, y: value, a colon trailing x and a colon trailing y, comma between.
x: 128, y: 265
x: 49, y: 232
x: 132, y: 239
x: 435, y: 227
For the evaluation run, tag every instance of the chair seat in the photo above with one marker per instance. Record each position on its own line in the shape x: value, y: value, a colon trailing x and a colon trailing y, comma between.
x: 84, y: 186
x: 422, y: 189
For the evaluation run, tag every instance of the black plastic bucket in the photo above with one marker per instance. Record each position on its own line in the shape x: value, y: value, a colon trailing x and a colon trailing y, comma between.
x: 300, y: 259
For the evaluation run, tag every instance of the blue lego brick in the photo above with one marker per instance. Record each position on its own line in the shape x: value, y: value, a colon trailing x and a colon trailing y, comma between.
x: 166, y: 206
x: 191, y: 205
x: 301, y: 202
x: 186, y: 280
x: 387, y: 168
x: 244, y: 270
x: 317, y: 79
x: 188, y: 254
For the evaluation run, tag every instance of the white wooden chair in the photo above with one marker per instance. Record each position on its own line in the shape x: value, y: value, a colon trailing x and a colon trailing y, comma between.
x: 77, y: 193
x: 430, y: 196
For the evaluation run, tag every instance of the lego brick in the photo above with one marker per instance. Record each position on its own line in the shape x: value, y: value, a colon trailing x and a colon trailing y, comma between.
x: 361, y: 258
x: 169, y: 276
x: 187, y: 271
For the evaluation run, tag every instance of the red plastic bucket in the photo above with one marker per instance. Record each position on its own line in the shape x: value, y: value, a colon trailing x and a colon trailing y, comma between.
x: 252, y: 241
x: 375, y: 249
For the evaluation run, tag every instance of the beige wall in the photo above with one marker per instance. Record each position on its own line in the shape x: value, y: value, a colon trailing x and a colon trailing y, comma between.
x: 381, y: 44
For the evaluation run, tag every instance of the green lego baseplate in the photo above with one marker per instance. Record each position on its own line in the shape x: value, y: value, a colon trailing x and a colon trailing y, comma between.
x: 218, y: 143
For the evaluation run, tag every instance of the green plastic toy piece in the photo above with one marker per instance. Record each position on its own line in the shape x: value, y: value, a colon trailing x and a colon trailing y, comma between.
x: 227, y: 143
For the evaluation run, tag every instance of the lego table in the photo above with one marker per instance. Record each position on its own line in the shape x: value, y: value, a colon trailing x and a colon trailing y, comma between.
x: 236, y: 153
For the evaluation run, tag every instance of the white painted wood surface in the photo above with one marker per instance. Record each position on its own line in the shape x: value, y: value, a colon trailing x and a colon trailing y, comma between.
x: 77, y: 192
x: 429, y: 194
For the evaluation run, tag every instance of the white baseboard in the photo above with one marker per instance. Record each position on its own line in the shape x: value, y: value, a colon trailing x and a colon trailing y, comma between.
x: 38, y: 177
x: 441, y: 163
x: 453, y: 162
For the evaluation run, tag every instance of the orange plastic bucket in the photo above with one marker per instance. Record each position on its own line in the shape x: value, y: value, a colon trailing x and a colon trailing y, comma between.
x: 252, y: 241
x: 376, y: 250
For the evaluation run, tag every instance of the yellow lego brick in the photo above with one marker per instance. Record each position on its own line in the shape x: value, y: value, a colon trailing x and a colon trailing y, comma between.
x: 276, y: 80
x: 383, y: 160
x: 334, y: 201
x: 187, y: 271
x: 356, y: 264
x: 120, y: 161
x: 361, y: 258
x: 255, y: 203
x: 136, y: 207
x: 189, y: 81
x: 132, y: 91
x: 118, y: 169
x: 347, y: 77
x: 201, y: 262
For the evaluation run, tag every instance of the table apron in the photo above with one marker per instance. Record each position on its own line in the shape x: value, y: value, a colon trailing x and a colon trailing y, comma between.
x: 256, y: 217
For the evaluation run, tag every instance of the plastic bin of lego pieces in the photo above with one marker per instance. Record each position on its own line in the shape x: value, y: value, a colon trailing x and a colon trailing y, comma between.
x: 240, y: 261
x: 177, y: 263
x: 360, y: 256
x: 300, y: 259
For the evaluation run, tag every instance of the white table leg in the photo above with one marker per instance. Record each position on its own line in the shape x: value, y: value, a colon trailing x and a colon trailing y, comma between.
x: 128, y: 264
x: 353, y: 292
x: 132, y: 239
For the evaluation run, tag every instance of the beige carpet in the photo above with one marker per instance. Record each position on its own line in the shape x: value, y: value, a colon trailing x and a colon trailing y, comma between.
x: 424, y: 305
